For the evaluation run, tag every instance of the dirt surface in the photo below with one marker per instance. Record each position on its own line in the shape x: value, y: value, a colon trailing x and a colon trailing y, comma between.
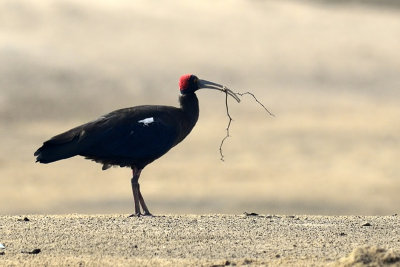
x: 207, y: 240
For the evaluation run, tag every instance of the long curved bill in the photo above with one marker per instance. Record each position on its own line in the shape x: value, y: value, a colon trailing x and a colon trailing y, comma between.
x: 203, y: 84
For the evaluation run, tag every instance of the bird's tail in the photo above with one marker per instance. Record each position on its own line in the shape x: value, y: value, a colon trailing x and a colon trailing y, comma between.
x: 59, y: 147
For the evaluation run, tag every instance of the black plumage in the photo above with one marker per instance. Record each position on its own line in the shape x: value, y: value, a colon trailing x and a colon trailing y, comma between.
x: 131, y: 137
x: 120, y: 138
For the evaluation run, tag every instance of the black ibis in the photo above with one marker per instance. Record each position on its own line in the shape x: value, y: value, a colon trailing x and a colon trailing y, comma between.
x: 132, y: 137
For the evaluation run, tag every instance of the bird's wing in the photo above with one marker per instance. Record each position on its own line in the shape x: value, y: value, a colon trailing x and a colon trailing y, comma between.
x: 131, y: 133
x: 135, y: 133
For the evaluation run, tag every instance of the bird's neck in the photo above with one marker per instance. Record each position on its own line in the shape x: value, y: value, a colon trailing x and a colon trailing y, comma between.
x: 189, y: 103
x: 190, y: 107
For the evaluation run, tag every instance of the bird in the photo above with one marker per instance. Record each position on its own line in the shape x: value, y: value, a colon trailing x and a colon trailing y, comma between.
x: 132, y: 137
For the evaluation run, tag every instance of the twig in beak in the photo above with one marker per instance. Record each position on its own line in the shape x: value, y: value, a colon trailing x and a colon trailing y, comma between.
x: 229, y: 123
x: 227, y: 92
x: 255, y: 98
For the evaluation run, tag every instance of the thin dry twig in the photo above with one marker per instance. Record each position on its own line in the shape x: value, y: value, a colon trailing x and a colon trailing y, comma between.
x: 227, y: 128
x: 226, y: 90
x: 255, y: 98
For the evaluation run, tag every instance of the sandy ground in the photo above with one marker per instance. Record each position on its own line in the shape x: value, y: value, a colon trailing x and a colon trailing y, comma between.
x: 200, y: 240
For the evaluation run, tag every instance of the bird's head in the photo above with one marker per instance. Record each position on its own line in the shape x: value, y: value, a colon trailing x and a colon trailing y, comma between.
x: 189, y: 83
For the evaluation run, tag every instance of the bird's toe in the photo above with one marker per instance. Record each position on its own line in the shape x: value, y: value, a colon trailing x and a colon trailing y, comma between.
x: 135, y: 215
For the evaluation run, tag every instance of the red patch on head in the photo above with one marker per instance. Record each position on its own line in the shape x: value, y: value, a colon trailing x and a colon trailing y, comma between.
x: 184, y: 81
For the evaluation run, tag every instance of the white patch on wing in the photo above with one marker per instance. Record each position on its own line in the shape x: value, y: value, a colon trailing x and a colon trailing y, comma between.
x: 147, y: 121
x: 81, y: 135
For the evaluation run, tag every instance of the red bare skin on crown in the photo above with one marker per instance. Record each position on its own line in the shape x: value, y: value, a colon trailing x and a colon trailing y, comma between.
x: 184, y: 81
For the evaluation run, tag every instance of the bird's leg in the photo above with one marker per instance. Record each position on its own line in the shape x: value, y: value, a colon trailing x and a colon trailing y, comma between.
x: 146, y: 211
x: 137, y: 195
x: 135, y: 191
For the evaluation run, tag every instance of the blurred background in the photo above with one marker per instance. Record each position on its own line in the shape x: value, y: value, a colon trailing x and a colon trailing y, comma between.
x: 328, y: 70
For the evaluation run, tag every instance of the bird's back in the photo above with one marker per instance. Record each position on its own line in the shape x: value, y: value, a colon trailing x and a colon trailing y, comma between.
x: 126, y: 137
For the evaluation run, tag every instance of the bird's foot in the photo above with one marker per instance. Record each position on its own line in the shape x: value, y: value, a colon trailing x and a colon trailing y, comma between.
x: 140, y: 214
x: 135, y: 215
x: 147, y: 214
